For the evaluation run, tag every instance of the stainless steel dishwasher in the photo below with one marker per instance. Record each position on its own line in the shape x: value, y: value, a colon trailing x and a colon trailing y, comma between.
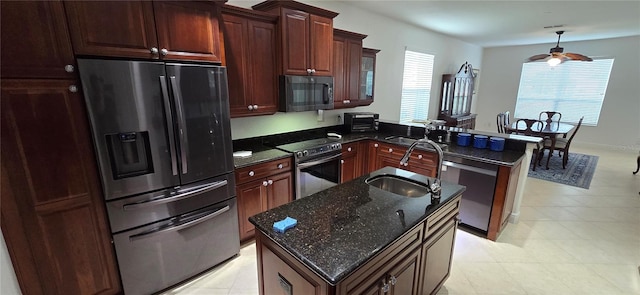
x: 480, y: 180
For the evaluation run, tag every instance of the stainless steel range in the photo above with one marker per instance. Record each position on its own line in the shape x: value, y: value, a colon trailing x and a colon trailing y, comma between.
x: 317, y: 163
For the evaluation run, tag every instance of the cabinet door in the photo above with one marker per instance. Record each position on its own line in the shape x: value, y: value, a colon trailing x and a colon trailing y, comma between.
x: 188, y: 30
x: 436, y: 257
x: 403, y: 278
x: 280, y: 190
x: 35, y: 40
x: 112, y: 28
x: 367, y: 76
x: 53, y: 215
x: 340, y: 72
x: 236, y: 50
x: 251, y: 201
x: 321, y: 45
x: 372, y: 156
x: 355, y: 60
x: 349, y: 165
x: 295, y: 42
x: 261, y: 69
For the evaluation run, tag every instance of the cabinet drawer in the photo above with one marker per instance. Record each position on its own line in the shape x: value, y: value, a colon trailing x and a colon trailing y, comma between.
x: 435, y: 221
x: 262, y: 170
x: 350, y: 148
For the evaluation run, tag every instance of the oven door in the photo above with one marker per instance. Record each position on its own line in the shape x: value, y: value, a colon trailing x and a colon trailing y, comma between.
x: 317, y: 175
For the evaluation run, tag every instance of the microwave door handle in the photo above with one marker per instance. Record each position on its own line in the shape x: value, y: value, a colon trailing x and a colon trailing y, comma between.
x: 182, y: 125
x: 327, y: 93
x: 169, y: 118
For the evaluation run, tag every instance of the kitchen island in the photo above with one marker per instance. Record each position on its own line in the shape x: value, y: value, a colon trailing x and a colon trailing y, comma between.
x: 357, y: 239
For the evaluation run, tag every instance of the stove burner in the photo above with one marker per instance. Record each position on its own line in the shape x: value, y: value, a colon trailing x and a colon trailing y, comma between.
x: 311, y: 149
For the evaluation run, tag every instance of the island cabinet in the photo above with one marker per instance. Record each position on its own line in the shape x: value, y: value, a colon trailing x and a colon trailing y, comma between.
x: 53, y: 215
x: 306, y: 37
x: 347, y: 60
x: 417, y: 262
x: 386, y: 154
x: 262, y: 187
x: 175, y: 30
x: 353, y: 160
x: 250, y: 57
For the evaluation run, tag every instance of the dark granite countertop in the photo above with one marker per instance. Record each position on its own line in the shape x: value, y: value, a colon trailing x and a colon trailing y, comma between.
x: 343, y: 227
x: 260, y: 156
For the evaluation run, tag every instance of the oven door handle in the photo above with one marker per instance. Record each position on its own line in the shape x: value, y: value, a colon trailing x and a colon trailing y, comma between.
x: 179, y: 226
x: 309, y: 164
x: 157, y: 201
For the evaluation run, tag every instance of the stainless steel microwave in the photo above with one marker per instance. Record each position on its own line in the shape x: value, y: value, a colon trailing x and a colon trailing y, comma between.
x: 361, y: 121
x: 305, y: 93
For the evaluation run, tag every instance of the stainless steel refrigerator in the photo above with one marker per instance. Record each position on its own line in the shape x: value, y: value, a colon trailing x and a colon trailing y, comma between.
x: 163, y: 143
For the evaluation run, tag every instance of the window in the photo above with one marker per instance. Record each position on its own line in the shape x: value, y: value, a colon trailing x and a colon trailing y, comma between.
x: 416, y: 86
x: 573, y: 88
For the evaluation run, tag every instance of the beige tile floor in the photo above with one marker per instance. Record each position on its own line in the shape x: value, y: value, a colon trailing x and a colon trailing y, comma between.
x: 568, y: 241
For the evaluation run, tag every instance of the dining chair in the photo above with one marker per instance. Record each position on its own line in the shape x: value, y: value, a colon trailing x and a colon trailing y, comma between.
x: 550, y: 116
x: 502, y: 121
x: 562, y: 146
x: 530, y: 126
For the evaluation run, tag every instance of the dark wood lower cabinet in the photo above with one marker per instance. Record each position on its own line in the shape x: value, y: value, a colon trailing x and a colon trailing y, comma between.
x: 52, y: 215
x: 416, y: 263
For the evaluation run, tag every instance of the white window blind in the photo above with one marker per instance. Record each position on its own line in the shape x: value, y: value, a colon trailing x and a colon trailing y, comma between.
x: 573, y: 88
x: 416, y: 86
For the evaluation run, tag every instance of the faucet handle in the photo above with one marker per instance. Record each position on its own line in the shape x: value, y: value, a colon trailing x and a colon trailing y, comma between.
x: 435, y: 187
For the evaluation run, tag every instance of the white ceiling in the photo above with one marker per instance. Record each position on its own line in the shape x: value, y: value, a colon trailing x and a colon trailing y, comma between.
x: 506, y: 23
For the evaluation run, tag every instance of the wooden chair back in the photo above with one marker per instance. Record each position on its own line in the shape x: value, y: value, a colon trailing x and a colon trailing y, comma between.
x: 530, y: 124
x: 573, y: 134
x: 550, y: 116
x: 502, y: 121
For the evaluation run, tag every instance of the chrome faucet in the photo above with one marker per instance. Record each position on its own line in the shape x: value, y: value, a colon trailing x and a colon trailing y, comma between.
x: 434, y: 187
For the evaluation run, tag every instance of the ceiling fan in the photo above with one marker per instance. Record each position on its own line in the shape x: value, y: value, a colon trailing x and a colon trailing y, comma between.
x: 556, y: 55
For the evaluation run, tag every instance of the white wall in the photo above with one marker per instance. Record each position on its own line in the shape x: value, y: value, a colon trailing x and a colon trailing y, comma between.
x: 391, y: 37
x: 8, y: 281
x: 619, y: 124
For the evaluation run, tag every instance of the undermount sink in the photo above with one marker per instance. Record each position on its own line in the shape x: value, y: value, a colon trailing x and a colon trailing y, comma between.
x: 398, y: 185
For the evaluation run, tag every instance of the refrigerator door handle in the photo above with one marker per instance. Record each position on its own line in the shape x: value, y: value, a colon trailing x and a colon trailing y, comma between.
x: 163, y: 199
x: 169, y: 118
x: 182, y: 125
x: 178, y: 226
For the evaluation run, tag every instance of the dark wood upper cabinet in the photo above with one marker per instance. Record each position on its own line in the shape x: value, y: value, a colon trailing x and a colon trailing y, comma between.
x: 306, y: 37
x: 53, y: 215
x: 251, y: 60
x: 35, y: 49
x: 347, y: 58
x: 367, y: 76
x: 145, y: 29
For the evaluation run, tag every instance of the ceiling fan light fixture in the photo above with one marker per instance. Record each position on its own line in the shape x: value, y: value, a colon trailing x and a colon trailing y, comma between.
x: 556, y: 55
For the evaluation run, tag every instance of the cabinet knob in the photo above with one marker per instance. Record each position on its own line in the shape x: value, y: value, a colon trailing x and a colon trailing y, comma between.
x: 164, y: 51
x: 251, y: 173
x: 420, y: 157
x: 270, y: 181
x: 265, y: 183
x: 154, y: 50
x: 406, y: 164
x: 341, y: 161
x: 313, y: 71
x: 69, y: 68
x: 309, y: 71
x: 391, y: 150
x: 73, y: 88
x: 348, y: 149
x: 250, y: 107
x: 393, y: 280
x: 375, y: 145
x: 385, y: 288
x: 255, y: 106
x: 280, y: 166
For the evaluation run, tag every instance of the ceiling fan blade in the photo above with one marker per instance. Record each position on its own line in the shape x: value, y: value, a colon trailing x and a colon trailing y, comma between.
x: 577, y: 56
x: 538, y: 57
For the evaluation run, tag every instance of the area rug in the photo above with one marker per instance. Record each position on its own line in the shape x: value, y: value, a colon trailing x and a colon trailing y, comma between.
x: 579, y: 171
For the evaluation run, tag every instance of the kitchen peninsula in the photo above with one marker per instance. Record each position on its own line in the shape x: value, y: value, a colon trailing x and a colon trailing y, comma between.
x: 357, y: 239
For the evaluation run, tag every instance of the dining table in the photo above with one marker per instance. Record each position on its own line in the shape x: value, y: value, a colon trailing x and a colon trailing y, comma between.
x: 548, y: 129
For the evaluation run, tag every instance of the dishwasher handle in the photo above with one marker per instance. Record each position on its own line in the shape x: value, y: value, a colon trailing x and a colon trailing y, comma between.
x: 470, y: 168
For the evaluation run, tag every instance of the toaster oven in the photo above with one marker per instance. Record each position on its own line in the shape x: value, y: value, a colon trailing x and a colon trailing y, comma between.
x: 361, y: 121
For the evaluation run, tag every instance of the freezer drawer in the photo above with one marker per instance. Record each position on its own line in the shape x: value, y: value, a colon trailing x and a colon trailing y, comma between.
x: 162, y: 254
x: 147, y: 208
